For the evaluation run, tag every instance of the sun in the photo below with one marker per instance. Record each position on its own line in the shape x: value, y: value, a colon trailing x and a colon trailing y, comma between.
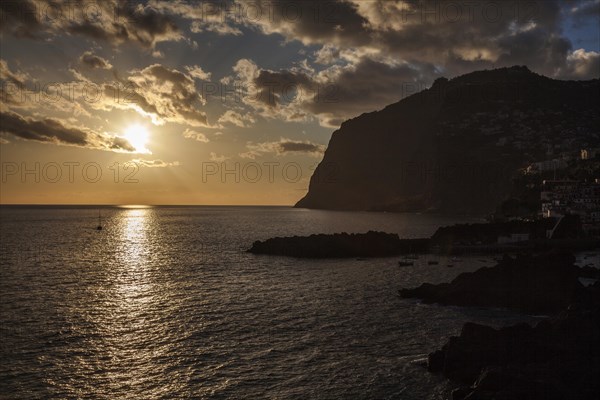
x: 138, y: 136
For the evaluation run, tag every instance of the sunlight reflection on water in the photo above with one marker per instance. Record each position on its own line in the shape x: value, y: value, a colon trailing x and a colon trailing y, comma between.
x: 165, y: 303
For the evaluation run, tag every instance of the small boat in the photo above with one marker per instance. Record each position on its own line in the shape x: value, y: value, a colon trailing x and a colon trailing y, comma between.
x: 99, y: 227
x: 405, y: 263
x: 450, y: 266
x: 433, y: 262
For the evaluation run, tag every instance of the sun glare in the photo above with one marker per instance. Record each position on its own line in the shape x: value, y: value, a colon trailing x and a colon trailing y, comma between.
x: 138, y: 136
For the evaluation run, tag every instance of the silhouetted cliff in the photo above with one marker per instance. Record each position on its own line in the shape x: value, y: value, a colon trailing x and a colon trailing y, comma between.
x: 454, y: 147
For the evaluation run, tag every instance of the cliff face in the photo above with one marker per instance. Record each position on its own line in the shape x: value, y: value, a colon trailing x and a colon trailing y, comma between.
x: 454, y: 147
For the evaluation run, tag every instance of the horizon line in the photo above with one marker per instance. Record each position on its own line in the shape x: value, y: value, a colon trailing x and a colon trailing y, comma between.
x: 138, y: 205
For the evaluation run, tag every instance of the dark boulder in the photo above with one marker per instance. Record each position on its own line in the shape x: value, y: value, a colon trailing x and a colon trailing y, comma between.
x: 478, y: 346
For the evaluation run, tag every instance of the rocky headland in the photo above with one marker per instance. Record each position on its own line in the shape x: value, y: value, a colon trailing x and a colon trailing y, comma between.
x: 341, y: 245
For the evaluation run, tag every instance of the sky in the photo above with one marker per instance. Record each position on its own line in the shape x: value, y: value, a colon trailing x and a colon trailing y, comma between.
x: 233, y: 102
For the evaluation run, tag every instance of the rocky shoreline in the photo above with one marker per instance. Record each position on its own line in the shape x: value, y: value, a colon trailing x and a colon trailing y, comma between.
x: 544, y: 284
x: 559, y: 358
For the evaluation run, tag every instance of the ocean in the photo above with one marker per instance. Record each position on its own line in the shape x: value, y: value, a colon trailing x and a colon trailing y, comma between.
x: 164, y: 303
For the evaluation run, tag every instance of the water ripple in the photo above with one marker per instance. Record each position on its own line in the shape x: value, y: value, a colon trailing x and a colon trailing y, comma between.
x: 163, y: 303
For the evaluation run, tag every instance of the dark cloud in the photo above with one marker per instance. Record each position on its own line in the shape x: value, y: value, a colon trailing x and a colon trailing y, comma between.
x: 119, y: 143
x: 50, y: 130
x: 143, y: 24
x: 155, y: 163
x: 112, y: 21
x: 208, y: 15
x: 15, y: 78
x: 98, y: 32
x: 299, y: 147
x: 94, y: 61
x: 46, y: 130
x: 19, y: 18
x: 366, y: 86
x: 163, y: 74
x: 461, y: 38
x: 536, y: 49
x: 586, y: 9
x: 116, y: 96
x: 282, y: 147
x: 275, y: 87
x: 309, y: 20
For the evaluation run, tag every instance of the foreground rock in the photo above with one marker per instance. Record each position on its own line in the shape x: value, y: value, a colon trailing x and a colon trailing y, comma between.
x: 559, y: 358
x: 545, y: 284
x: 340, y: 245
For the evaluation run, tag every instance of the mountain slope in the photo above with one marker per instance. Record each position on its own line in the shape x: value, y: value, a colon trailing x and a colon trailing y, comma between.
x: 454, y: 147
